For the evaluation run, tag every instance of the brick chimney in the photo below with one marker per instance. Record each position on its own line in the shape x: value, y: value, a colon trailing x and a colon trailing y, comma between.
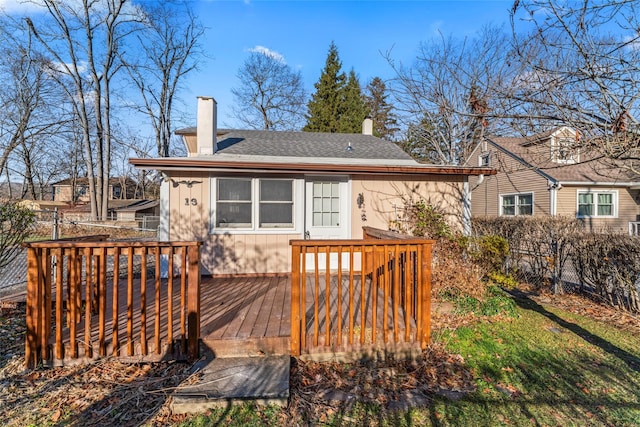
x: 206, y: 125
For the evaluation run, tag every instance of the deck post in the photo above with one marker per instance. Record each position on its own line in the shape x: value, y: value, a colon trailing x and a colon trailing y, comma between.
x: 425, y: 286
x: 295, y: 300
x: 31, y: 348
x: 193, y: 303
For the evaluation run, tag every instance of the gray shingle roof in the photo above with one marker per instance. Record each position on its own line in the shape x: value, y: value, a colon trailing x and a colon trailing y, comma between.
x: 261, y: 143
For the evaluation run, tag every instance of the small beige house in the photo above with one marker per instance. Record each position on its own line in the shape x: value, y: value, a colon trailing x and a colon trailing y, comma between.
x: 547, y: 174
x: 77, y: 191
x: 247, y: 193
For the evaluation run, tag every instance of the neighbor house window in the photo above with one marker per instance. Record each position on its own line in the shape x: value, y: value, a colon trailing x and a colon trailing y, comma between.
x: 596, y: 204
x: 564, y: 151
x: 484, y: 160
x: 253, y: 203
x: 516, y: 204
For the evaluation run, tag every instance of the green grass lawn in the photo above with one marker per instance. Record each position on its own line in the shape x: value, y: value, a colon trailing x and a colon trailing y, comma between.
x: 546, y: 367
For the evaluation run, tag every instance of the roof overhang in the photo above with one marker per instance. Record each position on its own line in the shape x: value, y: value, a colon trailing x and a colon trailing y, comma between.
x: 630, y: 185
x: 204, y: 164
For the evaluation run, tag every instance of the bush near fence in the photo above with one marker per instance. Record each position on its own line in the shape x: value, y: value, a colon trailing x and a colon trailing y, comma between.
x: 558, y: 252
x: 460, y: 264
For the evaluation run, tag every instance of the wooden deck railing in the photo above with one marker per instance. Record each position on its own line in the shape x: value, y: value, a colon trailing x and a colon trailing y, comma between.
x: 359, y: 292
x: 91, y: 298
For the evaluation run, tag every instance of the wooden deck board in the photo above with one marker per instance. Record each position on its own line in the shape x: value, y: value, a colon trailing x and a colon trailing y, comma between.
x: 239, y: 309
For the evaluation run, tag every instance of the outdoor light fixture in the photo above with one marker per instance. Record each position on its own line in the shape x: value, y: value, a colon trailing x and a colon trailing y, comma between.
x: 189, y: 184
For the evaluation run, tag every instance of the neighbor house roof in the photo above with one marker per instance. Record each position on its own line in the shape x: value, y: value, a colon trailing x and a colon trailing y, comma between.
x: 139, y: 205
x: 85, y: 181
x: 589, y: 170
x: 287, y: 151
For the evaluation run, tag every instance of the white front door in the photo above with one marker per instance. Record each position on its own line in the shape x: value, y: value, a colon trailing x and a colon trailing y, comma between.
x: 327, y: 212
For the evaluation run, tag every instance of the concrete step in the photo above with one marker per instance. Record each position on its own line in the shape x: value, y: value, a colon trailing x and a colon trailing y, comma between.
x: 230, y: 380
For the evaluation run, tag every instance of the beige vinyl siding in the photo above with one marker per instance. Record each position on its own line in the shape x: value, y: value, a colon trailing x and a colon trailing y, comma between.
x: 384, y: 199
x: 188, y: 221
x: 260, y: 253
x: 224, y: 253
x: 627, y: 208
x: 513, y: 178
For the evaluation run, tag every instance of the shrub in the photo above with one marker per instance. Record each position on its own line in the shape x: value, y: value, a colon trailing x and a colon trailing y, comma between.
x: 490, y: 252
x: 15, y: 225
x: 427, y: 221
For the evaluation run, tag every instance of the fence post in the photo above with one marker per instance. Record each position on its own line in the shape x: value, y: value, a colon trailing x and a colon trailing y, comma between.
x: 295, y: 300
x: 554, y: 249
x: 193, y: 303
x: 55, y: 234
x: 425, y: 267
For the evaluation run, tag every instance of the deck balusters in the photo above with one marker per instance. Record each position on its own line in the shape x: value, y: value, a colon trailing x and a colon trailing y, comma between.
x: 386, y: 301
x: 70, y: 284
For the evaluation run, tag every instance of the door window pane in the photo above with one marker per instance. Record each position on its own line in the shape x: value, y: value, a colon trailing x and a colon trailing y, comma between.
x: 326, y: 204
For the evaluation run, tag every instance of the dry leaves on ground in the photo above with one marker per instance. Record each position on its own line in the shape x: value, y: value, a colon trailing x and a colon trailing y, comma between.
x: 106, y: 392
x: 321, y: 388
x: 585, y: 306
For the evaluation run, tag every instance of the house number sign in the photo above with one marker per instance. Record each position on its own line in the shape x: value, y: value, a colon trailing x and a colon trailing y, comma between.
x: 192, y: 202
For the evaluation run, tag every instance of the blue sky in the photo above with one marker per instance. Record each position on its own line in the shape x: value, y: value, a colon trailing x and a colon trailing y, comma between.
x: 301, y: 32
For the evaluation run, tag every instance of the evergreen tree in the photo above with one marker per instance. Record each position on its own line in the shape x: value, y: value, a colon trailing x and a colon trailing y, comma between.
x: 353, y: 109
x: 324, y: 106
x: 385, y: 123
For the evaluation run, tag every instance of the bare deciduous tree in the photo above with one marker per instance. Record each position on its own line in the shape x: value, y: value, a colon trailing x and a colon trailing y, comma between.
x: 270, y: 95
x: 170, y: 50
x: 83, y: 40
x: 450, y: 95
x: 583, y: 70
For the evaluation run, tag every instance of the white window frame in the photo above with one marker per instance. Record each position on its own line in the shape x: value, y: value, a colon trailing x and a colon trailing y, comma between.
x: 484, y: 160
x: 297, y: 215
x: 595, y: 193
x: 516, y: 196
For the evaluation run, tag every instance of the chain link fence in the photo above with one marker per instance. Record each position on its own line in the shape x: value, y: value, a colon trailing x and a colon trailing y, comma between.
x: 559, y: 254
x: 52, y: 225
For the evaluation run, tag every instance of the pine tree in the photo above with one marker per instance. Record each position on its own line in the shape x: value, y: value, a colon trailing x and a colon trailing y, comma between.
x: 353, y: 109
x: 324, y: 107
x: 385, y: 123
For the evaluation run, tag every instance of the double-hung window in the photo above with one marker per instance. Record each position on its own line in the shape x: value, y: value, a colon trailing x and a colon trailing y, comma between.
x: 254, y: 203
x: 595, y: 204
x: 516, y: 204
x: 276, y: 203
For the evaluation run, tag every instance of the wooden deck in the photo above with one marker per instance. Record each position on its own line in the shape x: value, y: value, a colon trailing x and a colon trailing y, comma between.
x: 240, y: 316
x: 246, y: 315
x: 252, y: 316
x: 147, y: 300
